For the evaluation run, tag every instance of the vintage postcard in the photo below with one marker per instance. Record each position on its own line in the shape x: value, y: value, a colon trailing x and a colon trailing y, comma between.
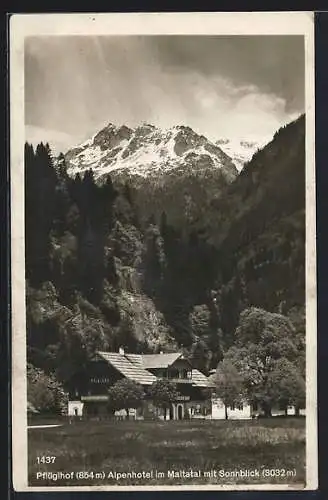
x: 163, y: 251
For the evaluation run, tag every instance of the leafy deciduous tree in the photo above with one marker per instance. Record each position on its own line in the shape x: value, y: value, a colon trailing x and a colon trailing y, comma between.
x: 285, y: 385
x: 44, y: 392
x: 262, y: 338
x: 229, y: 384
x: 163, y: 393
x: 125, y: 394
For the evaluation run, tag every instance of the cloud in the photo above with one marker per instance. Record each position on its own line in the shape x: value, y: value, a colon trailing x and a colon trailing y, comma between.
x: 220, y: 86
x: 58, y: 141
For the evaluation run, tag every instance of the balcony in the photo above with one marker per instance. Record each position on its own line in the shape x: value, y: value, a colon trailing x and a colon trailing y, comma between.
x: 178, y: 380
x: 95, y: 398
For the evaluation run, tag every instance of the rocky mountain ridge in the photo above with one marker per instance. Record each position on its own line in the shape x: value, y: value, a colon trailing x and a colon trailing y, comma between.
x: 148, y: 151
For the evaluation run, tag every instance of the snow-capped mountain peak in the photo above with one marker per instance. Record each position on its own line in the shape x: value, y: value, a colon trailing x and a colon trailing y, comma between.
x: 147, y: 151
x: 241, y: 150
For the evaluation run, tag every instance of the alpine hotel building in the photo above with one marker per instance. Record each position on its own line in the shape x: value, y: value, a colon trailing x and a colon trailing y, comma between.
x: 88, y: 395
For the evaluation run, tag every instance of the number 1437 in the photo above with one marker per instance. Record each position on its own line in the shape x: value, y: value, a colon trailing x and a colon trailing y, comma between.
x: 45, y: 459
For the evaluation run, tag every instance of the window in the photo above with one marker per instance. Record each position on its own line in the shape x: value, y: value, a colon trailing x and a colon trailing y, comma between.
x: 97, y: 380
x: 239, y: 406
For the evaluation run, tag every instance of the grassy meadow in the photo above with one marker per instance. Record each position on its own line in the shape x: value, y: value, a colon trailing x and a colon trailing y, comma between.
x: 102, y: 448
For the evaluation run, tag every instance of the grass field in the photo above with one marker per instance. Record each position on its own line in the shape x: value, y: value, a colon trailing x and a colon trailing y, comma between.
x: 90, y: 452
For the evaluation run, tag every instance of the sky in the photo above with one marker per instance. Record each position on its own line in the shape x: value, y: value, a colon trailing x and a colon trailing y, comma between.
x: 223, y: 87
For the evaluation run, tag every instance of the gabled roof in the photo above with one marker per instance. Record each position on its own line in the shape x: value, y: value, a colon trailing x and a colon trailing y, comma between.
x: 149, y: 361
x: 134, y: 358
x: 127, y: 368
x: 135, y: 366
x: 163, y: 360
x: 200, y: 380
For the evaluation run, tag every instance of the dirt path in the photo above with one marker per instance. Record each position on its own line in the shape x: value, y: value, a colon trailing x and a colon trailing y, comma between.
x: 45, y: 426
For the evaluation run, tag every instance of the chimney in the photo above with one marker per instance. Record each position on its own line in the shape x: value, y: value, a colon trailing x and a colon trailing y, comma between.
x: 121, y: 350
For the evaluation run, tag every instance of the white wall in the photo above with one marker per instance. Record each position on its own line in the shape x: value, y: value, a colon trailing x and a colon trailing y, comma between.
x: 75, y: 408
x: 122, y: 413
x: 237, y: 413
x: 290, y: 411
x: 276, y: 412
x: 218, y: 411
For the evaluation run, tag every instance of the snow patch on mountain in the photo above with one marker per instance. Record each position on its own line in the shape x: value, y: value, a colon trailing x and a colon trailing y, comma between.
x: 241, y: 151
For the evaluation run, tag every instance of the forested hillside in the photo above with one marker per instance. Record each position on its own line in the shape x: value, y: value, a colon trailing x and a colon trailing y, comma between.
x: 100, y: 276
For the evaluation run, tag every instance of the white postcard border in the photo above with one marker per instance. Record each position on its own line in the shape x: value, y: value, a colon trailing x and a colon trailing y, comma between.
x: 259, y: 23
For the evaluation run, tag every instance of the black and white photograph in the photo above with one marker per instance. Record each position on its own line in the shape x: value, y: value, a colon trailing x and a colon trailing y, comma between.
x: 163, y: 251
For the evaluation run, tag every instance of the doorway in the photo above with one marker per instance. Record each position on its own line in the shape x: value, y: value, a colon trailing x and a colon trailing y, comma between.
x: 180, y: 412
x: 171, y: 413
